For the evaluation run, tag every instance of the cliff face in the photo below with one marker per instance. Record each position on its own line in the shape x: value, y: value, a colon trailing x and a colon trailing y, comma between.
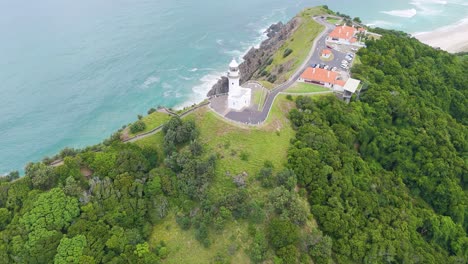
x: 254, y: 59
x: 222, y: 86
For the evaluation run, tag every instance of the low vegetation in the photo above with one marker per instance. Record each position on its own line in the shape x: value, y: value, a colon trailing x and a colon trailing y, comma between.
x: 379, y: 180
x: 301, y: 87
x: 293, y: 53
x: 147, y: 123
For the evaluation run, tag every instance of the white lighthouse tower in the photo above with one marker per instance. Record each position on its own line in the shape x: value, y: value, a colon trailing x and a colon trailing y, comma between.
x: 238, y: 97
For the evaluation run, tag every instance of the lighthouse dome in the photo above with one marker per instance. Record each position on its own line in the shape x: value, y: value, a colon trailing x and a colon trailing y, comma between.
x: 233, y: 64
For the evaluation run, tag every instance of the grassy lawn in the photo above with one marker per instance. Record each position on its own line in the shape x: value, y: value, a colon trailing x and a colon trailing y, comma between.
x: 152, y: 120
x: 267, y: 142
x: 267, y: 84
x: 184, y: 248
x: 333, y: 20
x: 301, y: 87
x: 300, y: 43
x: 245, y: 149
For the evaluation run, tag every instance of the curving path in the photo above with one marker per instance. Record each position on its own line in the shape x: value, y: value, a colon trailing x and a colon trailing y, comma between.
x: 250, y: 116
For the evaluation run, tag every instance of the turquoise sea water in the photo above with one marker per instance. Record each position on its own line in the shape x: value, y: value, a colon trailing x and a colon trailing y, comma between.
x: 72, y: 72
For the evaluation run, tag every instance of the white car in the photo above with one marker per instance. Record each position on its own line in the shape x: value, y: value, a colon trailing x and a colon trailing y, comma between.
x: 344, y: 62
x: 344, y: 66
x: 326, y: 67
x: 349, y: 58
x: 334, y: 69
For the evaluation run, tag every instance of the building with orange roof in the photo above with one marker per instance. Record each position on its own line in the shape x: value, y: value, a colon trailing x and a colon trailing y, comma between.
x: 319, y: 76
x: 340, y: 83
x: 342, y: 34
x: 326, y: 53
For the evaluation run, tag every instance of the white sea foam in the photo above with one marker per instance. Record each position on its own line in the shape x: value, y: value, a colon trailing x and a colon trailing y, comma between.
x: 193, y: 70
x: 185, y: 78
x: 200, y: 90
x: 150, y: 80
x: 383, y: 24
x: 407, y: 13
x: 166, y: 86
x: 167, y: 93
x: 428, y: 7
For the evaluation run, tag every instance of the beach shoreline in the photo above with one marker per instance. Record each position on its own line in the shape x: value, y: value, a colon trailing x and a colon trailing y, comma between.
x: 452, y: 38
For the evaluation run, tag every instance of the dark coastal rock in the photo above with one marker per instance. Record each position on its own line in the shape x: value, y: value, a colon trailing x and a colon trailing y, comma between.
x: 256, y: 59
x: 221, y: 87
x: 273, y: 29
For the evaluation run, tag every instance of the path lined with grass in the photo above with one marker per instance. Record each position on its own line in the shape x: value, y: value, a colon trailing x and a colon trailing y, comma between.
x: 299, y: 42
x: 253, y: 117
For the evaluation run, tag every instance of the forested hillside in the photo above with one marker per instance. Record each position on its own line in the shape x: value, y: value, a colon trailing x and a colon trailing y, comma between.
x: 387, y: 176
x: 383, y: 179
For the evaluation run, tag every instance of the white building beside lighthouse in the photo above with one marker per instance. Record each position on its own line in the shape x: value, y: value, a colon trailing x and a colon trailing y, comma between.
x: 238, y: 97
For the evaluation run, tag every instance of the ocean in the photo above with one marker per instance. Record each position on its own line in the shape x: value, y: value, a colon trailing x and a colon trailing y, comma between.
x: 73, y: 72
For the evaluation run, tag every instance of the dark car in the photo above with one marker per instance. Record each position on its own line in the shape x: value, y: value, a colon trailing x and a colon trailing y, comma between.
x: 330, y: 47
x: 313, y: 65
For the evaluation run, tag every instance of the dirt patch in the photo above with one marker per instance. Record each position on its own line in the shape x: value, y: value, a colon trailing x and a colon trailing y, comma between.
x: 86, y: 172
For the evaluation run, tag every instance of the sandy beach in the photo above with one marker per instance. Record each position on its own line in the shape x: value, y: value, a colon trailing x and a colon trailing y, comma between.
x: 452, y: 38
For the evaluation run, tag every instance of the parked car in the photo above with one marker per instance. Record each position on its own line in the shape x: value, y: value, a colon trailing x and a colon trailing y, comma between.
x: 348, y: 58
x: 344, y: 62
x: 326, y: 67
x: 334, y: 69
x: 354, y: 49
x: 330, y: 47
x: 313, y: 65
x: 322, y: 66
x: 344, y: 66
x: 350, y: 54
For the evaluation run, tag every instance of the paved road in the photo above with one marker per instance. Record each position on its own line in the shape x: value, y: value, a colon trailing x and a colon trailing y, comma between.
x: 250, y: 116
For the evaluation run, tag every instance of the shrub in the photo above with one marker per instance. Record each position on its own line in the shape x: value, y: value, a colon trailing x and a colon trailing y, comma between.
x: 140, y: 117
x: 272, y: 78
x: 282, y: 233
x: 289, y: 97
x: 269, y: 61
x: 138, y: 126
x: 287, y: 52
x: 244, y: 156
x: 151, y: 110
x: 280, y: 69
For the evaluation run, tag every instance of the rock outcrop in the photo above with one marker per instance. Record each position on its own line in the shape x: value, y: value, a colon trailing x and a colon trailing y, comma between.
x: 255, y: 58
x: 221, y: 87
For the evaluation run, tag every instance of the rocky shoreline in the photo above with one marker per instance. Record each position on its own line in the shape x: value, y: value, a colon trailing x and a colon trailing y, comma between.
x: 255, y: 58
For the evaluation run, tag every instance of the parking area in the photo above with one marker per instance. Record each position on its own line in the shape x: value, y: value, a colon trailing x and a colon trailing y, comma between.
x: 338, y: 61
x: 338, y: 57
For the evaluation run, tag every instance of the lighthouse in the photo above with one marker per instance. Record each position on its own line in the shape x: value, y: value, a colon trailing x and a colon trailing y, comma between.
x: 234, y: 77
x: 239, y: 97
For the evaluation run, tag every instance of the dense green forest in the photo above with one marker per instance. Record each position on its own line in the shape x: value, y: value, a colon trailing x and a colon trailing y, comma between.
x: 387, y: 176
x: 383, y: 179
